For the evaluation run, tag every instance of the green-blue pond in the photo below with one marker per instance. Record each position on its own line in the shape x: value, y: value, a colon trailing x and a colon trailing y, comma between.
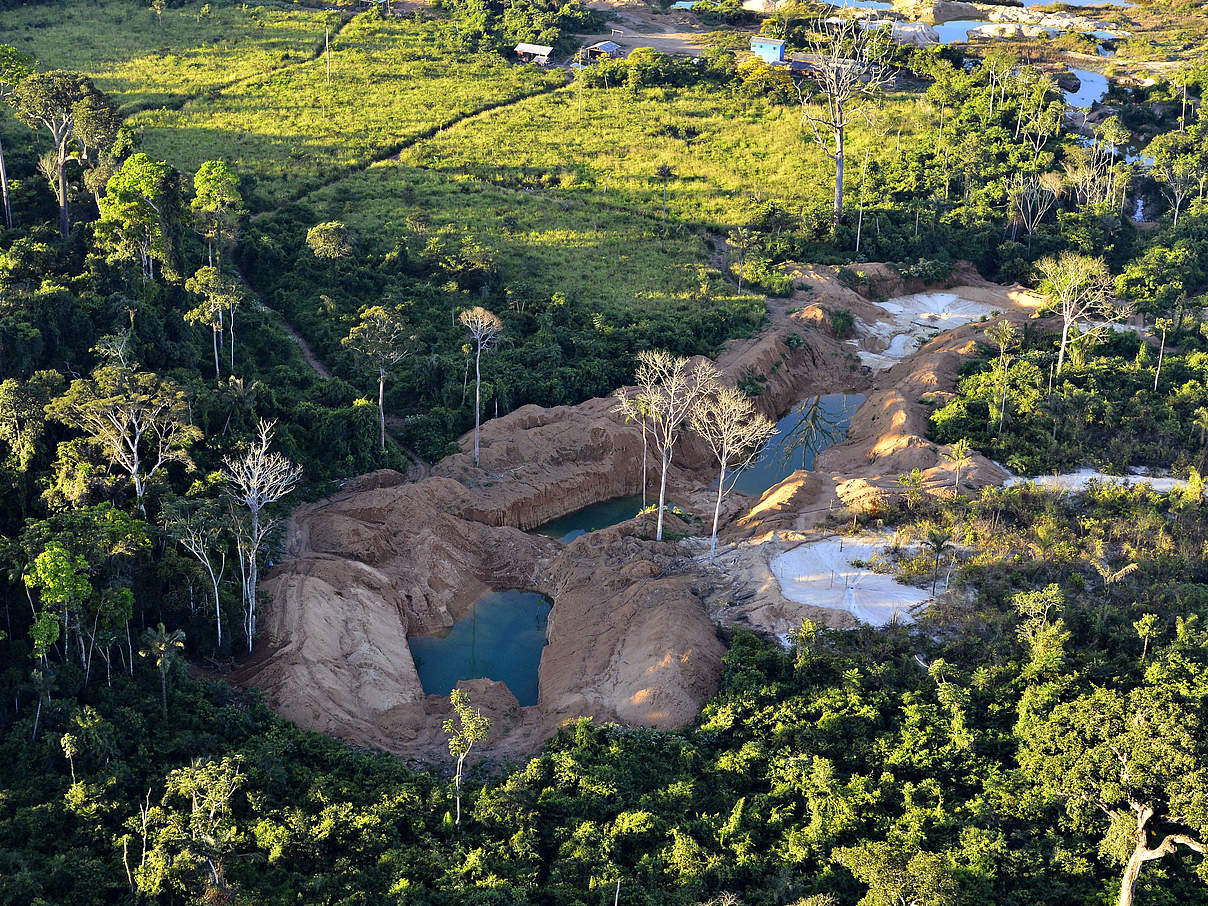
x: 501, y: 638
x: 593, y: 518
x: 810, y: 427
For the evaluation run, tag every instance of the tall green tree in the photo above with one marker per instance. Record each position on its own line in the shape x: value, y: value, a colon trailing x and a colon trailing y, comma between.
x: 61, y: 580
x: 53, y: 101
x: 382, y: 338
x: 220, y: 295
x: 1135, y: 760
x: 133, y: 212
x: 329, y: 240
x: 467, y: 727
x: 217, y: 206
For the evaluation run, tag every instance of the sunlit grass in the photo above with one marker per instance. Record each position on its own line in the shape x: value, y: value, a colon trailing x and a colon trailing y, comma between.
x: 142, y: 61
x: 602, y: 257
x: 727, y: 153
x: 292, y: 129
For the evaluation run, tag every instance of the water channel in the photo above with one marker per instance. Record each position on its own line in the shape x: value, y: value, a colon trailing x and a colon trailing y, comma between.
x: 809, y: 428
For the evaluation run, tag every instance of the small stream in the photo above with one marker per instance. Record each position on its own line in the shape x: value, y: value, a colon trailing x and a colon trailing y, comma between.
x: 501, y: 638
x: 810, y: 427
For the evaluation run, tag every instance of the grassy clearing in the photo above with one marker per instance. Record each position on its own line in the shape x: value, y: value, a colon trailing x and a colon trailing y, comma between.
x: 727, y: 152
x: 143, y: 62
x: 390, y: 82
x: 607, y: 260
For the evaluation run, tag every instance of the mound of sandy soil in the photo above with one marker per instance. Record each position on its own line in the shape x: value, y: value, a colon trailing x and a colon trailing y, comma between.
x: 381, y: 560
x: 631, y: 637
x: 627, y: 617
x: 536, y: 464
x: 887, y: 438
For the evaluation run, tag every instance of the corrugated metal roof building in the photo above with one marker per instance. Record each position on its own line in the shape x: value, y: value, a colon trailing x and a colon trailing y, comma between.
x: 534, y: 53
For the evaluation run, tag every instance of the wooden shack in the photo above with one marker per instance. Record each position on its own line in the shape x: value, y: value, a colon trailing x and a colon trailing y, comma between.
x: 605, y: 49
x: 534, y: 53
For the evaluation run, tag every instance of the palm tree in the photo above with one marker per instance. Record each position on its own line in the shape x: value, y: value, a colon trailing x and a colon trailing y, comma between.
x: 937, y: 541
x: 1047, y: 538
x: 959, y: 454
x: 165, y: 647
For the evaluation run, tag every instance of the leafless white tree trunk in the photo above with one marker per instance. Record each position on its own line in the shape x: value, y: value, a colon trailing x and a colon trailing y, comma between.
x: 484, y: 328
x: 735, y: 432
x: 847, y: 62
x: 673, y: 388
x: 254, y: 481
x: 1142, y: 852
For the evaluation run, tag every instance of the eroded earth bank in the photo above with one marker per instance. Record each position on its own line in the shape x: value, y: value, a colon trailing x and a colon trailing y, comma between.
x: 635, y: 634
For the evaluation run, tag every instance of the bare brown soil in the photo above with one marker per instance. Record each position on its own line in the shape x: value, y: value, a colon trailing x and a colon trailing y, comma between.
x: 633, y: 634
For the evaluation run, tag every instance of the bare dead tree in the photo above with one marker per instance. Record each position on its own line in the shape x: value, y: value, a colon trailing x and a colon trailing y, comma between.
x: 1079, y: 290
x: 255, y: 480
x: 485, y: 329
x: 203, y: 535
x: 1032, y: 197
x: 727, y: 421
x: 848, y: 62
x: 673, y: 388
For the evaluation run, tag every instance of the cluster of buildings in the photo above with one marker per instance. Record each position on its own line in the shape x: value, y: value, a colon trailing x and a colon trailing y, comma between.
x: 540, y: 54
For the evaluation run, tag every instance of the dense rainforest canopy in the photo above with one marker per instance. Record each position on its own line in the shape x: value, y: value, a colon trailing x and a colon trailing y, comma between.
x: 238, y: 250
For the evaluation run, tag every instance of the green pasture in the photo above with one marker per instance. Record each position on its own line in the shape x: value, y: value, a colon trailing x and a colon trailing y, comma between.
x: 727, y: 152
x: 291, y: 129
x: 142, y: 61
x: 605, y: 259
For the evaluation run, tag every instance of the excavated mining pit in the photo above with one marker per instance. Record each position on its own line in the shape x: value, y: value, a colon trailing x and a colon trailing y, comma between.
x: 633, y: 633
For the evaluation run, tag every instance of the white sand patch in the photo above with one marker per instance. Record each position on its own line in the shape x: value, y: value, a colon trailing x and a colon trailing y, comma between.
x: 1077, y: 481
x: 920, y: 315
x: 825, y: 574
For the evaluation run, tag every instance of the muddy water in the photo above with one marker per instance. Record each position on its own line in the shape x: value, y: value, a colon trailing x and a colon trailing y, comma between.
x: 812, y: 426
x: 501, y: 638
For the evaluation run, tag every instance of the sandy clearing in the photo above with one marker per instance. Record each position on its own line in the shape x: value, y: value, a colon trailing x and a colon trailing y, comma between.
x: 920, y: 315
x: 834, y: 573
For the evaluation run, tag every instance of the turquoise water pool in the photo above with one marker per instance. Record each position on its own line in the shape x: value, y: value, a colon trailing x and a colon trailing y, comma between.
x: 811, y: 427
x: 501, y: 638
x: 593, y: 518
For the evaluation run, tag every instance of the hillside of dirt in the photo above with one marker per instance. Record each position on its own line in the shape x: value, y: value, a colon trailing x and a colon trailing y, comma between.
x: 633, y: 632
